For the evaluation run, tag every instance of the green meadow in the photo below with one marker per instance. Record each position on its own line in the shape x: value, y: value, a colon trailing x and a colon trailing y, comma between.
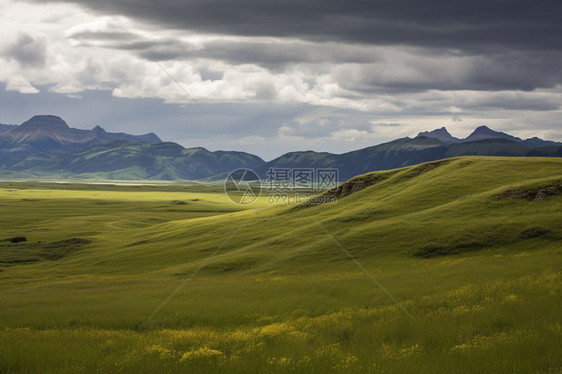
x: 452, y: 266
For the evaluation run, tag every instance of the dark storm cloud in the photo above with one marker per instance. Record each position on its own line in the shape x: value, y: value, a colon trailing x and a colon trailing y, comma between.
x: 504, y: 45
x: 27, y: 50
x: 268, y: 53
x: 460, y: 24
x: 513, y: 101
x: 517, y: 71
x: 511, y: 70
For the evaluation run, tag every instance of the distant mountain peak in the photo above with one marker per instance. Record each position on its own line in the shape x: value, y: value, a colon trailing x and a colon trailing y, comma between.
x: 440, y: 134
x: 49, y: 122
x: 483, y: 129
x: 98, y: 130
x: 43, y: 132
x: 484, y: 132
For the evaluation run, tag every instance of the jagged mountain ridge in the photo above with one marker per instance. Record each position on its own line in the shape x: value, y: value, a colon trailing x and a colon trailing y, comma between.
x: 440, y: 134
x: 483, y: 133
x: 53, y: 130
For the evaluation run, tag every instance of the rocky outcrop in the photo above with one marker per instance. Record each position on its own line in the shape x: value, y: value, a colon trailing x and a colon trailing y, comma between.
x: 536, y: 194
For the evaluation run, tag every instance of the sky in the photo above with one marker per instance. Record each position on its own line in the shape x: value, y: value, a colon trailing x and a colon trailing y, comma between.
x: 269, y: 77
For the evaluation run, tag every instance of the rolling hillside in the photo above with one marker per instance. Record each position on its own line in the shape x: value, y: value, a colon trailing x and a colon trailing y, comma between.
x: 436, y: 267
x: 402, y: 211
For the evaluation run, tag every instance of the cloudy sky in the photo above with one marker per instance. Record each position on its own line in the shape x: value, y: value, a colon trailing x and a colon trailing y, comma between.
x: 269, y: 77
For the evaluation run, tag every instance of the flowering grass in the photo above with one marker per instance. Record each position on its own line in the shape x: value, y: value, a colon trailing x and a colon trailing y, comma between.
x: 500, y: 330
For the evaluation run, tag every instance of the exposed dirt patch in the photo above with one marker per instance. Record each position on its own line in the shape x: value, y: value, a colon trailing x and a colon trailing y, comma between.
x: 356, y: 184
x: 532, y: 194
x: 363, y: 181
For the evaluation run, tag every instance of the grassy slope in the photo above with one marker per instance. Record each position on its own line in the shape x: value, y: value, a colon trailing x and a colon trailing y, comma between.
x: 279, y: 294
x: 127, y: 161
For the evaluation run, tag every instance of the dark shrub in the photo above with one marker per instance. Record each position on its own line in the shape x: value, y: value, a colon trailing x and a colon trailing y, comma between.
x: 533, y: 232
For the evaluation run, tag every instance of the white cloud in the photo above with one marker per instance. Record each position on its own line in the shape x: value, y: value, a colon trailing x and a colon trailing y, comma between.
x: 100, y: 25
x: 21, y: 85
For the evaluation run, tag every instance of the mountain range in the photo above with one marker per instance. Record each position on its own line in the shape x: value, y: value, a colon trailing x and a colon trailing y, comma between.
x: 45, y: 146
x: 483, y: 133
x: 47, y: 132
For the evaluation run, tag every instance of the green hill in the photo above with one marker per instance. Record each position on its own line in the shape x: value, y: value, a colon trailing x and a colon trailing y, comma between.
x: 448, y: 266
x: 130, y: 161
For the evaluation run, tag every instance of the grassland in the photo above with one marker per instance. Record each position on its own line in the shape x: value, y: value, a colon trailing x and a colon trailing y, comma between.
x: 147, y: 279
